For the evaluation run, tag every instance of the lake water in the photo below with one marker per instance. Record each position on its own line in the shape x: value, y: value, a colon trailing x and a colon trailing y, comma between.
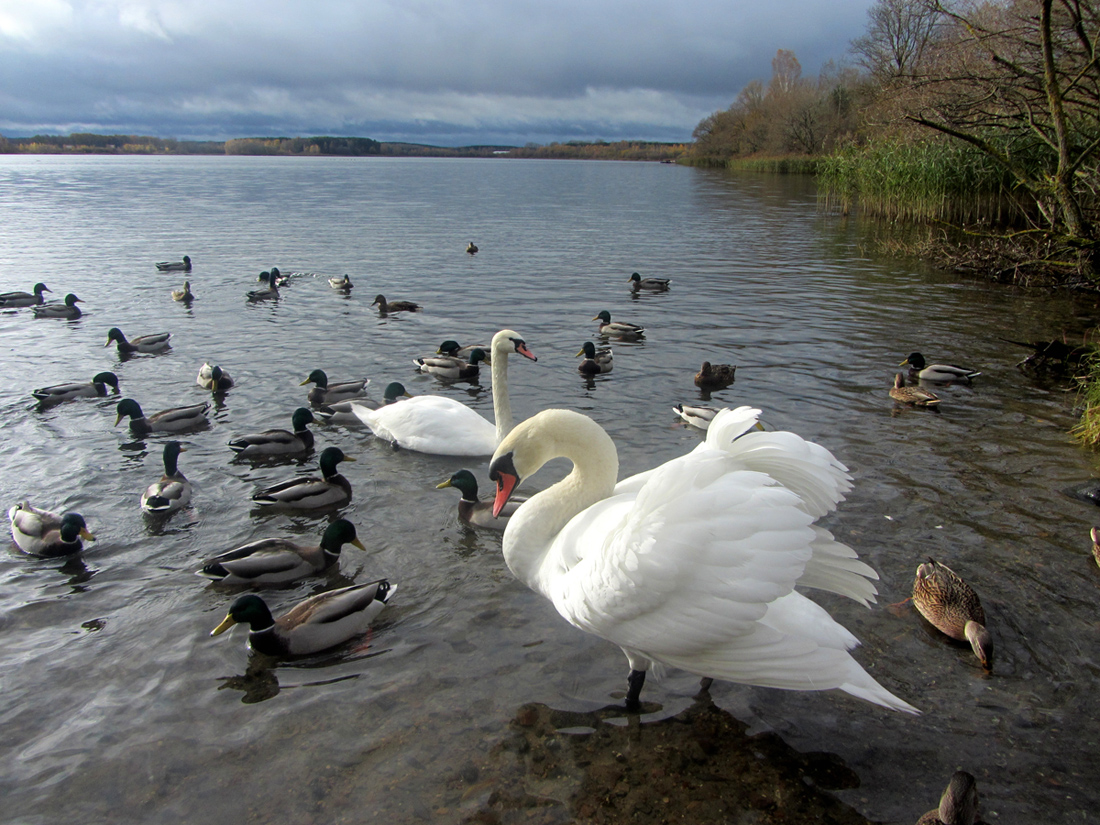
x: 116, y: 704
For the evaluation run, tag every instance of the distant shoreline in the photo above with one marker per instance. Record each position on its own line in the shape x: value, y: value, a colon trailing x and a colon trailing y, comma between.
x: 324, y: 146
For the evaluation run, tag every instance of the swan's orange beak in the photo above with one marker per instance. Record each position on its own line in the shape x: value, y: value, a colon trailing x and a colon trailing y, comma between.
x: 526, y: 353
x: 503, y: 472
x: 506, y: 485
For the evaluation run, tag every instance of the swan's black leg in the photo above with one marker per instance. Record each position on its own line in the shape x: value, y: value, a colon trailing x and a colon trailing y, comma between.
x: 634, y: 684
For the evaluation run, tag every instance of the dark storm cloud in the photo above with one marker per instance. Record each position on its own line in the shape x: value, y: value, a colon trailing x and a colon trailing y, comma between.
x: 431, y: 71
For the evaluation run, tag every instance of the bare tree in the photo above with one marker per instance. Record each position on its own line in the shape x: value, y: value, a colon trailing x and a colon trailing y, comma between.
x: 898, y: 34
x: 786, y: 72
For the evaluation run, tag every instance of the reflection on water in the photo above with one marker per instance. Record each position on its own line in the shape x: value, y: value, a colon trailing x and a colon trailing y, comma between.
x: 114, y: 691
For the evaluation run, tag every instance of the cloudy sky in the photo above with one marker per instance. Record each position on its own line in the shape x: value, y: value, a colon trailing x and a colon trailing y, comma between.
x: 446, y: 72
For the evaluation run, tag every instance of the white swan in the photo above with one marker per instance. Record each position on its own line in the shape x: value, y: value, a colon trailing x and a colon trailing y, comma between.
x: 692, y: 564
x: 443, y: 426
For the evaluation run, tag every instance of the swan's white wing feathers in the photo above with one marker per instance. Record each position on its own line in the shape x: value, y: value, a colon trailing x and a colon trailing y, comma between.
x: 694, y: 557
x: 431, y: 424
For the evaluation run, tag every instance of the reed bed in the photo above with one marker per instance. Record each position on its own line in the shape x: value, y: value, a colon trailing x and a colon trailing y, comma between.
x: 794, y: 165
x: 918, y: 181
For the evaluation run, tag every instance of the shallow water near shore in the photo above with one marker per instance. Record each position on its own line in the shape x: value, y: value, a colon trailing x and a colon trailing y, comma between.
x: 118, y: 706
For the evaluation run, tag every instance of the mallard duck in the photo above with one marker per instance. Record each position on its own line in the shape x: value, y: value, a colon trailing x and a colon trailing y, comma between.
x: 278, y: 442
x: 452, y: 349
x: 653, y: 284
x: 919, y: 369
x: 659, y: 563
x: 42, y: 533
x: 175, y: 266
x: 325, y: 394
x: 96, y: 388
x: 183, y: 295
x: 385, y: 306
x: 714, y: 376
x: 696, y: 416
x: 953, y: 608
x: 278, y: 278
x: 343, y: 284
x: 344, y: 411
x: 23, y: 299
x: 471, y: 248
x: 214, y: 378
x: 173, y: 490
x: 154, y: 342
x: 446, y: 366
x: 595, y: 361
x: 958, y: 805
x: 618, y: 329
x: 310, y: 492
x: 173, y: 420
x: 473, y: 510
x: 318, y: 623
x: 68, y: 310
x: 917, y: 396
x: 278, y: 560
x: 272, y: 290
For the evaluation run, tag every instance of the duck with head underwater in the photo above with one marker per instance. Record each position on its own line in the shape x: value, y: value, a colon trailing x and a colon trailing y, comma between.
x: 952, y: 607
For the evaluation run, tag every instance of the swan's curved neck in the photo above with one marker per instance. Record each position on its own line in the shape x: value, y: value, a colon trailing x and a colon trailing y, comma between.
x: 530, y: 547
x: 502, y: 407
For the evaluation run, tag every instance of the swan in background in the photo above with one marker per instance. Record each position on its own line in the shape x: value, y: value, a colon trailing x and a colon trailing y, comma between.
x: 443, y: 426
x: 692, y: 564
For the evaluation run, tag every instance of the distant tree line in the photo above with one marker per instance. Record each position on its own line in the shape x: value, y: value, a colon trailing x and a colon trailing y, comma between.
x: 346, y: 146
x: 602, y: 150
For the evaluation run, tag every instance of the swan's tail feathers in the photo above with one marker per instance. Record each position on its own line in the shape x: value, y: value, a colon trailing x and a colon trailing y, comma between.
x: 836, y: 568
x: 866, y: 688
